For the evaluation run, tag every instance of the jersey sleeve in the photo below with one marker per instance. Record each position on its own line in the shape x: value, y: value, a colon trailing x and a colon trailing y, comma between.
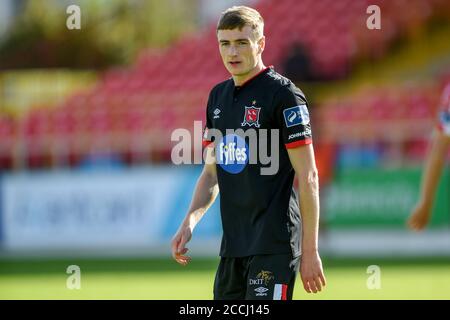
x: 444, y: 112
x: 292, y: 117
x: 207, y: 139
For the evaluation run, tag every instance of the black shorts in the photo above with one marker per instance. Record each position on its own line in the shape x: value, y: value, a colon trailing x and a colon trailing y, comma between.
x: 262, y: 277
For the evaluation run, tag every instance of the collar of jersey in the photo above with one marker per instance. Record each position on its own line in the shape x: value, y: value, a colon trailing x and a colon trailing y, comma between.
x: 255, y: 76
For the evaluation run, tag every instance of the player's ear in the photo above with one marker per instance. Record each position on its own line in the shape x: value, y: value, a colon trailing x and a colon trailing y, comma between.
x: 261, y: 44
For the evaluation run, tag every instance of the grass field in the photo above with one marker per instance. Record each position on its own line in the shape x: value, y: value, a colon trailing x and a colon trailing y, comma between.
x: 161, y: 279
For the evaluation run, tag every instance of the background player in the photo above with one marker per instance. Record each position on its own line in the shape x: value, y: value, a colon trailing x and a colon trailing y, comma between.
x: 434, y: 165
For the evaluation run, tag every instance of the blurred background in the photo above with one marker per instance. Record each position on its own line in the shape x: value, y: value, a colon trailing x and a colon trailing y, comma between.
x: 86, y: 117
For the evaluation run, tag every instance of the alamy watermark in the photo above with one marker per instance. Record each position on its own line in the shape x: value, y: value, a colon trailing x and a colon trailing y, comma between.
x: 74, y: 280
x: 231, y: 151
x: 374, y: 280
x: 374, y: 20
x: 74, y: 19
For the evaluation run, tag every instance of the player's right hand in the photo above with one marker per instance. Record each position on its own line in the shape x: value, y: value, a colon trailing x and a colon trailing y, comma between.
x: 419, y: 218
x: 179, y: 240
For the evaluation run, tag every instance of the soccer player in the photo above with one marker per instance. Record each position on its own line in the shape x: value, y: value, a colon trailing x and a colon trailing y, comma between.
x: 434, y: 165
x: 269, y: 233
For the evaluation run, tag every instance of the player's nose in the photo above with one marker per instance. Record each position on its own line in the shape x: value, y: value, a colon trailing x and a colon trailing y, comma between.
x: 232, y: 51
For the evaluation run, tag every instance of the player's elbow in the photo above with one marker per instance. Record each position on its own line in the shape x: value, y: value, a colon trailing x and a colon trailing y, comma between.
x: 309, y: 180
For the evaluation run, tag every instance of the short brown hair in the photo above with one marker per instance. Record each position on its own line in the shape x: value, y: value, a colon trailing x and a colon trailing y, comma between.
x: 240, y: 16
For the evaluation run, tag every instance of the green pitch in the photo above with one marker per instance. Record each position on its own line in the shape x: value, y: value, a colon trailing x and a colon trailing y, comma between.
x: 163, y: 279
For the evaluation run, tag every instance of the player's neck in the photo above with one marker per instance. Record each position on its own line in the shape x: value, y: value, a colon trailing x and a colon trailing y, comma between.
x: 241, y: 79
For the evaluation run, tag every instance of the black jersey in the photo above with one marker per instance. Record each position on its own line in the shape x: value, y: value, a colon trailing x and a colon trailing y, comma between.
x: 259, y: 212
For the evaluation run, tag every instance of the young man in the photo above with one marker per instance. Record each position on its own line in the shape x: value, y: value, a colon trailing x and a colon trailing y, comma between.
x: 433, y: 166
x: 264, y: 238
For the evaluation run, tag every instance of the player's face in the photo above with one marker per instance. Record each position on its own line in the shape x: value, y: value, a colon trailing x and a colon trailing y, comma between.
x: 240, y: 50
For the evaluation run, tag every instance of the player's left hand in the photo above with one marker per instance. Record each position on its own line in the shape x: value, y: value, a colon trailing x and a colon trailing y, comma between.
x: 311, y: 272
x: 419, y: 218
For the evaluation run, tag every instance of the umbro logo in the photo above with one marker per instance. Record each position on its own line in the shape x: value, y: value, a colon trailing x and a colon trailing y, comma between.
x: 216, y: 113
x: 261, y: 291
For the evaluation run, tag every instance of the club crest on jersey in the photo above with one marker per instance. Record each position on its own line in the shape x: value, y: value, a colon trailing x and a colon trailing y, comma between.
x: 251, y: 117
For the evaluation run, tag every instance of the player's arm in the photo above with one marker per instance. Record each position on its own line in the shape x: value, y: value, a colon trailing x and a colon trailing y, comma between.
x: 205, y: 193
x: 430, y: 179
x: 303, y: 162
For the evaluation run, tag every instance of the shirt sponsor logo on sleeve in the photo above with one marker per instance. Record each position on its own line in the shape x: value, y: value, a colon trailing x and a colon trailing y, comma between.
x: 299, y: 134
x: 296, y: 115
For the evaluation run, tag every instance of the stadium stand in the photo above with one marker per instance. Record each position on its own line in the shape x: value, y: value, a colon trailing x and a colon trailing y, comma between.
x: 133, y: 110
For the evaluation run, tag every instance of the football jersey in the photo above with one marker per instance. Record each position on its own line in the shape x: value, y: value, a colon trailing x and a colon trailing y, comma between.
x: 259, y: 209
